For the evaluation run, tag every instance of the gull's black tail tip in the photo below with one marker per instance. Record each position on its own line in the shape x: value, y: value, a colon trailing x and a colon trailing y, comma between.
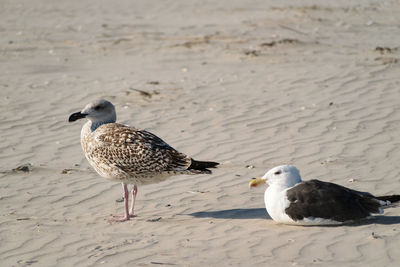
x: 202, y: 166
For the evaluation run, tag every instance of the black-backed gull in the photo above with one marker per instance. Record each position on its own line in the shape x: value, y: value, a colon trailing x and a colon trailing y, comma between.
x: 129, y: 155
x: 289, y: 200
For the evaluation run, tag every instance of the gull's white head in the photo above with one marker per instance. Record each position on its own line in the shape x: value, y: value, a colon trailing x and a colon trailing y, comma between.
x: 284, y: 175
x: 98, y: 112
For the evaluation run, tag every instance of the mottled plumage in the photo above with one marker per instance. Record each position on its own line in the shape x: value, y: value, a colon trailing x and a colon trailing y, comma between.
x: 129, y: 155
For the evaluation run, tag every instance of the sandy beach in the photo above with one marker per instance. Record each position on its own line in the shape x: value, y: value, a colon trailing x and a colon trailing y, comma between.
x: 250, y: 84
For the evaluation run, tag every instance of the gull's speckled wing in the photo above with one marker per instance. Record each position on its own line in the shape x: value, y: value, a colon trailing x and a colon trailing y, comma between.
x: 135, y: 151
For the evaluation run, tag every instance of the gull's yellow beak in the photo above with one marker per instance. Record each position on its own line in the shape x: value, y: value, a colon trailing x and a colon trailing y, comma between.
x: 256, y: 182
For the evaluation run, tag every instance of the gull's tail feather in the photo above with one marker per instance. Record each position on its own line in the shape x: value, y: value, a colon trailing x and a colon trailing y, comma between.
x: 391, y: 198
x: 202, y: 166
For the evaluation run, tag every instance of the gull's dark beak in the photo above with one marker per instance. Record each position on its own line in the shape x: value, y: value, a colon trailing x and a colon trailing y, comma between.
x: 76, y: 116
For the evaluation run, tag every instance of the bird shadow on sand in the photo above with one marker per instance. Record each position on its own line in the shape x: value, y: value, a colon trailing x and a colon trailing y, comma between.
x: 380, y: 219
x: 261, y: 213
x: 257, y: 213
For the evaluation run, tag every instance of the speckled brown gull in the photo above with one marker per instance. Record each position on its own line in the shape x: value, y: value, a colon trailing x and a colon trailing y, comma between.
x: 129, y: 155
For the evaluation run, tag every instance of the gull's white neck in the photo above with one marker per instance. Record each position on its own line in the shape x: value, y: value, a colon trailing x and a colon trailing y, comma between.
x: 288, y: 182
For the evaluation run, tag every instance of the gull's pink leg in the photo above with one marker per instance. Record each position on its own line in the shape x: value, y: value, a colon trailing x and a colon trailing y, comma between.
x: 123, y: 218
x: 134, y: 193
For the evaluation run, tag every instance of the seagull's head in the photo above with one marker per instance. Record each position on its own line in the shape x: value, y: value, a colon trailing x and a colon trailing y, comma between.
x: 99, y: 111
x: 284, y: 175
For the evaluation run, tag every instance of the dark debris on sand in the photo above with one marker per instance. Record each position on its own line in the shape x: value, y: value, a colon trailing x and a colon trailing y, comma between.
x: 27, y: 167
x: 283, y: 41
x: 144, y: 93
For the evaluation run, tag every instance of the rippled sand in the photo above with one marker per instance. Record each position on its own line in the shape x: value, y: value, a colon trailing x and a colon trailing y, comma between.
x: 244, y: 83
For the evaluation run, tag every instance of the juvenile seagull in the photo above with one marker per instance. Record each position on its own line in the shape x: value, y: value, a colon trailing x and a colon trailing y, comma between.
x: 290, y: 200
x: 129, y: 155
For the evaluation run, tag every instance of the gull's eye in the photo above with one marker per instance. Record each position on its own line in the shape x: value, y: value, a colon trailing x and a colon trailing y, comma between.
x: 277, y: 172
x: 97, y: 107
